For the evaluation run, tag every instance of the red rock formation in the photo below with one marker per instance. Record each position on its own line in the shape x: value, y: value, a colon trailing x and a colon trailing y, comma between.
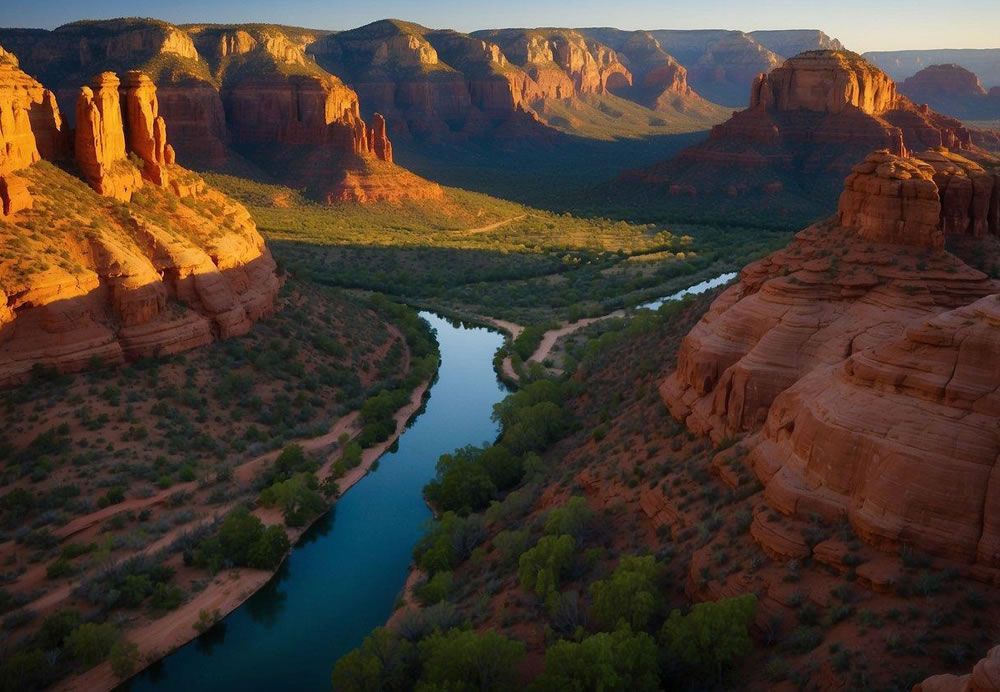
x: 827, y: 82
x: 866, y: 357
x: 985, y: 677
x: 30, y: 125
x: 100, y: 140
x: 110, y: 298
x: 810, y: 120
x: 146, y: 131
x: 842, y: 285
x: 561, y: 61
x: 893, y: 200
x: 379, y: 143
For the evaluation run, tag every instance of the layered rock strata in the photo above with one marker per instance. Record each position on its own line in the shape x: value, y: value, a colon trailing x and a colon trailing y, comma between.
x: 148, y: 278
x: 861, y: 360
x: 809, y: 121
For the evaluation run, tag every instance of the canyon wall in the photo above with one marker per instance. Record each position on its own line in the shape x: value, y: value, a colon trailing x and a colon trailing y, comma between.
x: 229, y: 94
x: 810, y: 121
x: 859, y: 364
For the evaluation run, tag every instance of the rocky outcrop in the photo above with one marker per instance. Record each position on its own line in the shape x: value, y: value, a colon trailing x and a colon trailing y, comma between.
x: 561, y: 61
x: 30, y: 123
x: 861, y: 361
x: 809, y: 122
x: 985, y: 677
x: 825, y: 82
x: 146, y: 130
x: 429, y: 84
x: 144, y: 279
x: 954, y: 90
x: 100, y: 140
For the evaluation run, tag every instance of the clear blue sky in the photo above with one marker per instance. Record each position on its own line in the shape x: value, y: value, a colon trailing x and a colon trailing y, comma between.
x: 861, y: 24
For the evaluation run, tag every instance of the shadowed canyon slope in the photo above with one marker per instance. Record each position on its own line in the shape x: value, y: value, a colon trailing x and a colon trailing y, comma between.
x: 146, y: 260
x: 863, y: 359
x: 954, y: 90
x: 809, y: 121
x: 901, y: 64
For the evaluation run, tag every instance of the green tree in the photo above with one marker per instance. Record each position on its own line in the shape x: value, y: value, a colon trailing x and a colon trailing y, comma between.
x: 124, y: 657
x: 56, y: 628
x: 385, y: 662
x: 616, y: 662
x: 23, y: 670
x: 463, y: 483
x: 712, y: 635
x: 574, y: 518
x: 448, y: 541
x: 91, y: 643
x: 268, y: 550
x: 298, y: 497
x: 541, y: 568
x: 630, y: 594
x: 465, y: 660
x: 239, y: 531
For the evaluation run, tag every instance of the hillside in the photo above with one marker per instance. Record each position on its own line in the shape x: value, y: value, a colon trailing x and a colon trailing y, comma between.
x: 164, y: 262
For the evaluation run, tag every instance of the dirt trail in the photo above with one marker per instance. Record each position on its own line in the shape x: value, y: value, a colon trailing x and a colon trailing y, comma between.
x: 231, y: 588
x: 492, y: 226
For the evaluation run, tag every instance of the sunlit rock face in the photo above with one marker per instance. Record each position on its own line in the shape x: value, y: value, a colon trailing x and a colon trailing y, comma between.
x: 148, y: 276
x: 862, y: 365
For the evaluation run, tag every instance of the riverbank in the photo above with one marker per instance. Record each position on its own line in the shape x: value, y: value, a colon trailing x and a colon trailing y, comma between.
x: 230, y: 589
x: 551, y: 337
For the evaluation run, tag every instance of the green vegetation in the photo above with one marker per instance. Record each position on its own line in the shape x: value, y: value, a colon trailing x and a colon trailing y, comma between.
x: 630, y: 595
x: 241, y: 541
x: 474, y: 254
x: 618, y: 662
x: 712, y: 635
x: 460, y: 660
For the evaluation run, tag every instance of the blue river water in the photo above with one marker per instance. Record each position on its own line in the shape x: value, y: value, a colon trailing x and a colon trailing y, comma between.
x: 342, y: 578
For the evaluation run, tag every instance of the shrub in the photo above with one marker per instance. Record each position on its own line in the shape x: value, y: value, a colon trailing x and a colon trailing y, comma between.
x: 124, y: 656
x: 469, y: 660
x: 618, y: 662
x: 712, y: 635
x: 91, y: 643
x: 384, y: 661
x: 630, y: 594
x: 541, y: 568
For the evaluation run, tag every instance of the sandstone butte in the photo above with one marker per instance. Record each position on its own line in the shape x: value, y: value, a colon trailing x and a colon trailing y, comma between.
x: 84, y: 278
x: 810, y: 120
x: 862, y: 364
x: 227, y: 93
x: 954, y: 90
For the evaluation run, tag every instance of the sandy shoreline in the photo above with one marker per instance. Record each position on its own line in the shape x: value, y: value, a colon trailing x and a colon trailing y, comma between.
x: 231, y: 588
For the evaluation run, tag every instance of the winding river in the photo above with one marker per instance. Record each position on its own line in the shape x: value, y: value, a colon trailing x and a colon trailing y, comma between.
x: 342, y: 577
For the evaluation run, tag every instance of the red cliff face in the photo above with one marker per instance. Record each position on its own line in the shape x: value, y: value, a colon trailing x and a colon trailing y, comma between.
x: 809, y: 121
x: 860, y: 361
x: 100, y: 140
x: 826, y: 82
x: 253, y: 89
x: 154, y: 277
